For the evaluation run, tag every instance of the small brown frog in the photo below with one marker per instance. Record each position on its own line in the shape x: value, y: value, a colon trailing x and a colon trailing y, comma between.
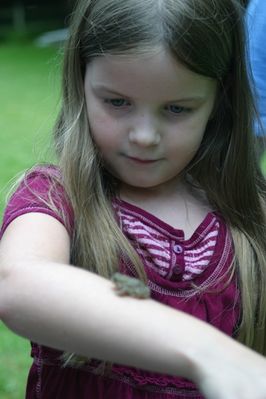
x: 126, y: 285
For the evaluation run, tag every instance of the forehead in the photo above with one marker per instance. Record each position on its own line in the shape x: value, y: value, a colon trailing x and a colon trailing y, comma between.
x: 148, y: 75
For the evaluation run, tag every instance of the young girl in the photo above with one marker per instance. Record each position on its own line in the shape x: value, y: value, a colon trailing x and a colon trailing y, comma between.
x: 157, y: 180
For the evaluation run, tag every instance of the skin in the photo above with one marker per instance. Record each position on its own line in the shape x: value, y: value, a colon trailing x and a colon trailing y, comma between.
x: 124, y: 286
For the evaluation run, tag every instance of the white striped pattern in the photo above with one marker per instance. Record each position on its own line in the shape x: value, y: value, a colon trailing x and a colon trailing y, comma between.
x: 198, y: 259
x: 156, y: 249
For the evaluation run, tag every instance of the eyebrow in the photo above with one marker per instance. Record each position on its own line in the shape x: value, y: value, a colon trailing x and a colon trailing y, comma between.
x: 100, y: 87
x: 107, y: 90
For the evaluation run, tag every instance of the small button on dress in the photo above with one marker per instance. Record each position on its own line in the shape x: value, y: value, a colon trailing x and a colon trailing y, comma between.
x: 177, y: 270
x: 178, y: 249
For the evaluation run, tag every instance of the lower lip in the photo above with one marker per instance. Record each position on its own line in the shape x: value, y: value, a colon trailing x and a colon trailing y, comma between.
x: 141, y: 161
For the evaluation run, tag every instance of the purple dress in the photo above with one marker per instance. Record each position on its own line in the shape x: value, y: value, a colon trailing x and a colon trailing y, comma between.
x: 175, y: 266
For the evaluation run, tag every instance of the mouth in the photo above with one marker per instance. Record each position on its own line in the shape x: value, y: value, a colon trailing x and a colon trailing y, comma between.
x: 142, y: 161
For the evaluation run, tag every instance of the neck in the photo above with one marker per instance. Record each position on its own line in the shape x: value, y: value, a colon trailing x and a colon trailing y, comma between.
x: 172, y: 189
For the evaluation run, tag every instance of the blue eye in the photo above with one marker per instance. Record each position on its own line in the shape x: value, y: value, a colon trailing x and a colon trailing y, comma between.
x: 117, y: 102
x: 176, y: 109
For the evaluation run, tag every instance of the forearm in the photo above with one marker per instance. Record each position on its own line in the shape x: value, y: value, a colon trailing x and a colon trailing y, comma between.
x: 70, y: 309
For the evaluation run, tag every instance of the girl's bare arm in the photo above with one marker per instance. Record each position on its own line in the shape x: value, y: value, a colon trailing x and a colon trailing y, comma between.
x: 50, y: 302
x: 53, y: 303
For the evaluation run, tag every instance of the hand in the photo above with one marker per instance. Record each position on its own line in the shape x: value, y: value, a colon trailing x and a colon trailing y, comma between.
x: 233, y: 372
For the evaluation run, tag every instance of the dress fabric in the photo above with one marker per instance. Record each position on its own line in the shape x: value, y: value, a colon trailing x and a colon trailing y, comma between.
x: 191, y: 275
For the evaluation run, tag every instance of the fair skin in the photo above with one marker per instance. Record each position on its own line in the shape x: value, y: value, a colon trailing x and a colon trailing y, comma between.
x: 148, y: 124
x: 45, y: 299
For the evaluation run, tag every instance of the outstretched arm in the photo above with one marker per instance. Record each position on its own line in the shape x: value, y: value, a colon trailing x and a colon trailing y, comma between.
x: 47, y: 300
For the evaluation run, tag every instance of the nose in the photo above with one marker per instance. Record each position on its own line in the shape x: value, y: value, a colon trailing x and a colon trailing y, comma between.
x: 144, y: 131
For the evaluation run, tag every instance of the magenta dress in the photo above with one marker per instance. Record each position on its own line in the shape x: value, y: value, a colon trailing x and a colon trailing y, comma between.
x: 174, y: 266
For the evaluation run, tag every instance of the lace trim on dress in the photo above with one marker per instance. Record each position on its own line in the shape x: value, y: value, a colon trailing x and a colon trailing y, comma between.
x: 151, y: 382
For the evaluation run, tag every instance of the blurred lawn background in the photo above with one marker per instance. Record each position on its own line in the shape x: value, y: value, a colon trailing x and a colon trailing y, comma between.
x: 29, y: 102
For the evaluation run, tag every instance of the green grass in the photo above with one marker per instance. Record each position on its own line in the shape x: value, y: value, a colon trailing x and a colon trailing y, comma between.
x: 29, y: 99
x: 14, y: 366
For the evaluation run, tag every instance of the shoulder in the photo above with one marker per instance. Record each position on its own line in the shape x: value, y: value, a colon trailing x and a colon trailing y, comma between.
x: 41, y: 175
x: 40, y: 190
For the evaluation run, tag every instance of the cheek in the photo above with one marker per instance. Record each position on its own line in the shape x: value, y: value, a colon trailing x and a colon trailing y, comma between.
x: 186, y: 138
x: 100, y: 124
x: 194, y: 131
x: 104, y: 132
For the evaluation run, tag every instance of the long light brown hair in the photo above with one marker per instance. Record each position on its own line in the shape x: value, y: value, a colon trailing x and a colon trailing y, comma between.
x: 208, y: 37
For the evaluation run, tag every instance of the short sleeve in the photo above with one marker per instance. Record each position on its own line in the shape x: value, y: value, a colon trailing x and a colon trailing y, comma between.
x: 40, y: 191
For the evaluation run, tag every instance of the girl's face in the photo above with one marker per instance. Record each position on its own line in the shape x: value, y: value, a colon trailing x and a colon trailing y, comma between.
x: 147, y: 115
